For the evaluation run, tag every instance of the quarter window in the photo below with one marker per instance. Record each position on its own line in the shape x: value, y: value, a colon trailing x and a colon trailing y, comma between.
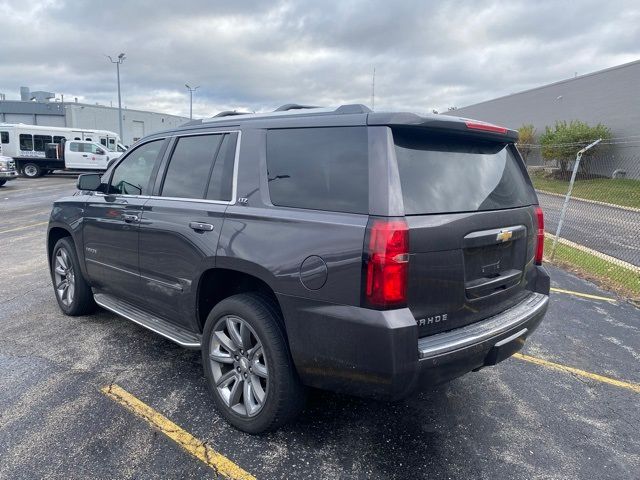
x: 221, y: 182
x: 319, y: 168
x: 132, y: 175
x: 190, y: 166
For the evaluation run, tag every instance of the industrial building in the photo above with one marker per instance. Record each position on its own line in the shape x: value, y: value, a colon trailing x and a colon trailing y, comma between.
x: 42, y: 108
x: 610, y: 97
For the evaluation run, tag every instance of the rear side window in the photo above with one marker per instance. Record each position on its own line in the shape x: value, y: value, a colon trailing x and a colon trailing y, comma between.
x: 26, y: 142
x: 4, y: 137
x: 319, y: 168
x: 190, y: 165
x: 39, y: 142
x: 442, y: 174
x: 132, y: 175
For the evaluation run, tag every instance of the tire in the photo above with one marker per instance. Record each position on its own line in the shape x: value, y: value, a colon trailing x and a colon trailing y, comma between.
x: 2, y: 181
x: 31, y: 170
x: 269, y: 369
x: 76, y: 299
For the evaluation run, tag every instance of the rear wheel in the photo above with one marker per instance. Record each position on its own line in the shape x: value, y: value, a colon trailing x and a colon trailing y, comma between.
x: 31, y: 170
x: 72, y: 292
x: 248, y: 366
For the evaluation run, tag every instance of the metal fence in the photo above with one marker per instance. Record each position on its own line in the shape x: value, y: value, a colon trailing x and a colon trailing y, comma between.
x: 593, y: 223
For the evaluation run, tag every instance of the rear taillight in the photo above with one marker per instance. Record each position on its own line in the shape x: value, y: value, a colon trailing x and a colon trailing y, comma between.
x: 539, y: 236
x: 386, y: 263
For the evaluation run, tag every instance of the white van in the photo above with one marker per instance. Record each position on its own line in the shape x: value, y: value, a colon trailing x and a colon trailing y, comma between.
x: 27, y: 145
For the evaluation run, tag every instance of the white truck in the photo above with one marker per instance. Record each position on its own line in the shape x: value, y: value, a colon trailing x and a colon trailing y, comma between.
x: 30, y: 147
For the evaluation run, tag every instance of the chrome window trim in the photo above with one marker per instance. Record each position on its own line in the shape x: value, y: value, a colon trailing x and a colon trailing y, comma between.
x: 234, y: 184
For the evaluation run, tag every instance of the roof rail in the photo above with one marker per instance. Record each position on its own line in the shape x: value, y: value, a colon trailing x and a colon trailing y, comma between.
x: 229, y: 113
x: 293, y: 106
x: 292, y: 110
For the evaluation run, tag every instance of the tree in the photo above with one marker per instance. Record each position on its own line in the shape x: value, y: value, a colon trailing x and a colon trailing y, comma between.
x: 563, y: 142
x: 526, y: 140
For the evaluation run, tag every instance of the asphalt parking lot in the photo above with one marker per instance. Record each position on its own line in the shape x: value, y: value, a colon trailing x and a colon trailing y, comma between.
x: 529, y: 417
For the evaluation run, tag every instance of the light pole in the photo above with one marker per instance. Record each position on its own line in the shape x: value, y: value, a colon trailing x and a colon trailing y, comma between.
x: 118, y: 61
x: 191, y: 90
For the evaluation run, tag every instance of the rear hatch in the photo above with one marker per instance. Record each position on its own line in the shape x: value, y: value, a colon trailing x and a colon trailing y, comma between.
x: 469, y: 206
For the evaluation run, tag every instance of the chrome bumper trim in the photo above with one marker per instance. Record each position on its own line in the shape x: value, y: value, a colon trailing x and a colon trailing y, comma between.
x: 533, y: 306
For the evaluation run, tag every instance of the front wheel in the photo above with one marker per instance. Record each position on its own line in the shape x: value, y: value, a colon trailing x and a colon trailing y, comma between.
x: 31, y: 170
x: 247, y: 365
x: 2, y: 181
x: 73, y: 293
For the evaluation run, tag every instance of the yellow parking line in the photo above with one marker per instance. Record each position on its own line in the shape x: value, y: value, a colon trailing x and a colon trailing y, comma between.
x: 584, y: 295
x: 23, y: 227
x: 191, y: 444
x: 634, y: 387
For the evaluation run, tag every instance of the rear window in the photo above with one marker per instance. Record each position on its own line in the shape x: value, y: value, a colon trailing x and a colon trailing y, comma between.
x: 319, y: 168
x: 449, y: 174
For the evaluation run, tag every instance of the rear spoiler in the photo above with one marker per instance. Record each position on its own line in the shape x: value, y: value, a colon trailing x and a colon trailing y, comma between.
x: 442, y: 123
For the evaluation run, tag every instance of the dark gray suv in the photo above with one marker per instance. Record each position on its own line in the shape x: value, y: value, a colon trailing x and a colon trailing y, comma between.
x: 368, y: 253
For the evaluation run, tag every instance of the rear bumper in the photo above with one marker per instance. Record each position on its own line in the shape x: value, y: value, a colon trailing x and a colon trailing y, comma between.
x: 378, y: 353
x: 448, y: 355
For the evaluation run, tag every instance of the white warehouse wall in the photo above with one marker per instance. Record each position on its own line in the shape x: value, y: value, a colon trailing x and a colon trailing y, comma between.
x: 135, y: 123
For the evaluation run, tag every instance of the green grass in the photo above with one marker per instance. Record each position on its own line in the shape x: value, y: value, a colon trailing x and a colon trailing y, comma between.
x: 619, y: 191
x: 608, y: 275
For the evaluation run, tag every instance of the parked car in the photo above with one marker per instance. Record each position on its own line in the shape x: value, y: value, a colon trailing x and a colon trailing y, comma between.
x: 7, y: 170
x: 374, y: 254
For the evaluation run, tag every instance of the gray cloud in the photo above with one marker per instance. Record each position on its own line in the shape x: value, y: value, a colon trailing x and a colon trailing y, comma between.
x: 256, y: 55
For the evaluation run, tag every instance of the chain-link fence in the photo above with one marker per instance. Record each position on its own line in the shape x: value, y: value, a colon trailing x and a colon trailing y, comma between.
x: 599, y: 232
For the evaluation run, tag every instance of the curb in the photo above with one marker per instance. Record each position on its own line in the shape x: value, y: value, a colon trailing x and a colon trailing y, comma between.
x: 595, y: 202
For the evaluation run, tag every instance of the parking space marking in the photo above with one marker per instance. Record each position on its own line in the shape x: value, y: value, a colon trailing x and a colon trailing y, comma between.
x: 634, y: 387
x: 23, y: 227
x: 191, y: 444
x: 584, y: 295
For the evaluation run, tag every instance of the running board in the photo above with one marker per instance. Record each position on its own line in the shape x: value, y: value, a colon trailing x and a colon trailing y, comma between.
x: 158, y: 325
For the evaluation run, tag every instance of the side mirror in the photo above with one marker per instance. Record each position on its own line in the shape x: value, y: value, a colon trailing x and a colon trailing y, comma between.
x: 90, y: 182
x: 99, y: 151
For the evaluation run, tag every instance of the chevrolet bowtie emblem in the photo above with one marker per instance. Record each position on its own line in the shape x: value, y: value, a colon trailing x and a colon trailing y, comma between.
x: 504, y: 236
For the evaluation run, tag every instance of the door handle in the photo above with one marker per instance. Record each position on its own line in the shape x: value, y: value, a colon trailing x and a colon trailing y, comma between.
x: 85, y: 155
x: 130, y: 218
x: 201, y: 227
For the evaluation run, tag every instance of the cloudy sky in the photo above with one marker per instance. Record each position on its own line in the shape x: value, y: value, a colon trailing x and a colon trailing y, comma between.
x: 256, y: 54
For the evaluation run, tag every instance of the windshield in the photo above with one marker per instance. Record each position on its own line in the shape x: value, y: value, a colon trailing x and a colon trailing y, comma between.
x: 446, y: 174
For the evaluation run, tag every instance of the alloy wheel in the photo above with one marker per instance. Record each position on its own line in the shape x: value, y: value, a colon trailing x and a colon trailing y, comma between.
x: 64, y: 277
x: 239, y: 366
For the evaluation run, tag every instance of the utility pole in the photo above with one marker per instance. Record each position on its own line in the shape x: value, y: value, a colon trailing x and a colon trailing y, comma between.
x: 191, y: 90
x: 373, y: 89
x: 118, y: 61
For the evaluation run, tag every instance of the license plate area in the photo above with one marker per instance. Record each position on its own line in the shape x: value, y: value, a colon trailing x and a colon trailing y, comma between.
x: 494, y: 260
